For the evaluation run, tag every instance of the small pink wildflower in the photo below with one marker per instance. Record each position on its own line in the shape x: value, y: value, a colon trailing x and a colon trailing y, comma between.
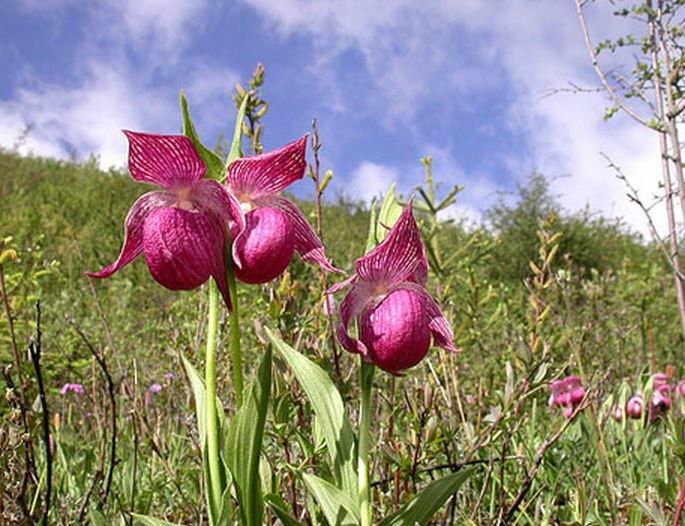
x: 634, y: 407
x: 155, y: 388
x: 180, y: 228
x: 71, y: 388
x: 567, y: 393
x: 271, y: 228
x: 660, y: 402
x: 397, y: 316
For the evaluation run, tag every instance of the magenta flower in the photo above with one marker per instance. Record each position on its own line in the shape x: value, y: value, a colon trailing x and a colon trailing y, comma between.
x: 397, y: 317
x: 180, y: 228
x: 660, y: 402
x: 71, y: 388
x: 271, y: 228
x: 634, y: 407
x: 567, y: 393
x: 155, y: 388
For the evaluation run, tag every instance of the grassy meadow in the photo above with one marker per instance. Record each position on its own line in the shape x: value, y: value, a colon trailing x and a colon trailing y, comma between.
x: 535, y: 294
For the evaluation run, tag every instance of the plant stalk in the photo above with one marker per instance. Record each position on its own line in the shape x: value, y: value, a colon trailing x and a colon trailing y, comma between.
x: 366, y: 371
x: 235, y: 337
x: 215, y: 490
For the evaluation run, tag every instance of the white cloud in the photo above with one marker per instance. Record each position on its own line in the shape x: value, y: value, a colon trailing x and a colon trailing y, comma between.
x: 371, y: 180
x: 88, y: 118
x: 446, y: 51
x: 164, y: 26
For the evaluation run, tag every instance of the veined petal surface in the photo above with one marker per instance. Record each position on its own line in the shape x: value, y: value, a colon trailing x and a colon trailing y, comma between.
x: 133, y: 241
x: 270, y: 172
x: 184, y: 248
x: 397, y: 257
x: 169, y: 161
x: 307, y: 243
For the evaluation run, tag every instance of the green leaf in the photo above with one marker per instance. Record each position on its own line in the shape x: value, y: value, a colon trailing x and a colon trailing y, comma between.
x: 235, y: 151
x: 198, y: 387
x: 244, y: 445
x: 97, y: 518
x: 387, y: 216
x: 149, y: 521
x: 330, y: 411
x: 338, y: 507
x: 215, y: 167
x: 278, y: 507
x: 424, y: 505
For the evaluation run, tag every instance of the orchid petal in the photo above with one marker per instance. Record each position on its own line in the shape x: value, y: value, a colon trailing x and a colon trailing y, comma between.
x: 213, y: 198
x: 307, y: 243
x: 166, y: 160
x: 437, y: 323
x: 133, y: 242
x: 270, y: 172
x: 265, y: 247
x: 184, y: 248
x: 334, y: 289
x: 357, y: 299
x: 397, y: 257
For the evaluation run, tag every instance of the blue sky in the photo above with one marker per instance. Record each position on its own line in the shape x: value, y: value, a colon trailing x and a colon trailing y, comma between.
x: 389, y: 82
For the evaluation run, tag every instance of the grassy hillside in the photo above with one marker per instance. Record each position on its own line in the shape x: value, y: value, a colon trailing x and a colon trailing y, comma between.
x: 611, y: 318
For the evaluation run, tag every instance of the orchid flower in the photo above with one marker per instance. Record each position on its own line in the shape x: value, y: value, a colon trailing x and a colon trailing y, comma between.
x: 180, y: 228
x: 567, y: 393
x: 634, y: 407
x: 397, y: 316
x: 271, y: 228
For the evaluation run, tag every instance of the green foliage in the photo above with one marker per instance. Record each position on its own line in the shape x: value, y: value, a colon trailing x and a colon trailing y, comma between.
x: 611, y: 307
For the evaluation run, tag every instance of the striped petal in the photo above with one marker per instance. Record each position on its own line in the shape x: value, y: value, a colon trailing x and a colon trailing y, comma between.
x: 169, y: 161
x: 133, y: 241
x: 268, y: 173
x: 307, y: 243
x: 399, y: 255
x: 183, y: 249
x: 358, y: 298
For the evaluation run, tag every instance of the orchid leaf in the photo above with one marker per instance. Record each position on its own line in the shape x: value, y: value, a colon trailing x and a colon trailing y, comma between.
x: 278, y: 507
x: 236, y: 152
x: 423, y: 507
x: 215, y: 167
x: 338, y: 507
x: 244, y: 445
x: 146, y: 520
x: 198, y: 388
x: 330, y: 412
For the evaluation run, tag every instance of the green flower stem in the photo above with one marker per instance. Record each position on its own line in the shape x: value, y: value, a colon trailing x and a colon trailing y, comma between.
x: 366, y: 377
x: 215, y: 490
x: 235, y: 337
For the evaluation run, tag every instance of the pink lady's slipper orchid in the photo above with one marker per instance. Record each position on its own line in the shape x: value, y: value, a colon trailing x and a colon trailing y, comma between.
x: 634, y: 407
x: 271, y: 227
x: 397, y: 316
x: 661, y: 401
x: 567, y: 393
x: 180, y: 228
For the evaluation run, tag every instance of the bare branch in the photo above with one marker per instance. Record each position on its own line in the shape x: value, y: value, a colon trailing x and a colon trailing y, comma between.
x: 615, y: 97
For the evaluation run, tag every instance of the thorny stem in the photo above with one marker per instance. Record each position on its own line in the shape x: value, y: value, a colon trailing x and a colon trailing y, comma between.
x: 366, y: 371
x: 215, y: 489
